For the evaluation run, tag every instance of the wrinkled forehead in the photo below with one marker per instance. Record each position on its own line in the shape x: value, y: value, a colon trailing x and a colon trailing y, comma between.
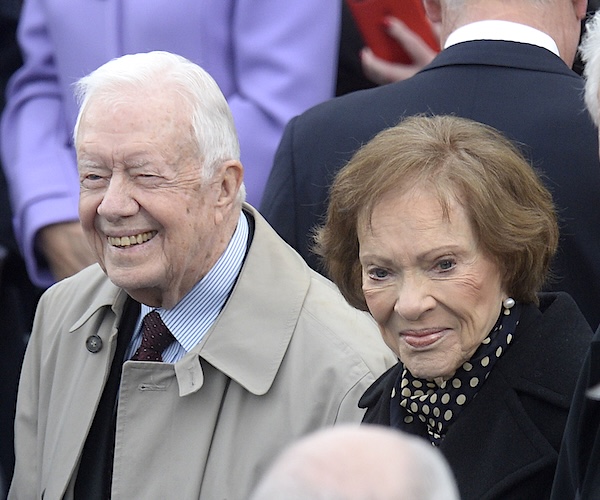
x: 152, y: 114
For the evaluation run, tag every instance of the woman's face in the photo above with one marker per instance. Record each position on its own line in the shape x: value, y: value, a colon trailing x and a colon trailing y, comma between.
x: 433, y: 292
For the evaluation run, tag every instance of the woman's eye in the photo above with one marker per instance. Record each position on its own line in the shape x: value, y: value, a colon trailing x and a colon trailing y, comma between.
x: 445, y: 264
x: 377, y: 273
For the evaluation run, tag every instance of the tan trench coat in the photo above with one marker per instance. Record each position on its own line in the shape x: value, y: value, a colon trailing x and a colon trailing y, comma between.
x: 286, y: 356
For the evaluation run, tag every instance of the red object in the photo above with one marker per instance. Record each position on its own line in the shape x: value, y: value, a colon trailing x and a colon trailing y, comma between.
x: 370, y: 17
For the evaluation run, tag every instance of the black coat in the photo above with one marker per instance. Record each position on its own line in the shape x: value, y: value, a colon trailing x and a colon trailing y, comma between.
x: 505, y: 442
x: 578, y: 471
x: 522, y: 90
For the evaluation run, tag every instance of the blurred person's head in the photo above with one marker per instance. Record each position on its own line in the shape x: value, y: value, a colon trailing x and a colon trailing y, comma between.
x: 560, y: 19
x: 358, y: 463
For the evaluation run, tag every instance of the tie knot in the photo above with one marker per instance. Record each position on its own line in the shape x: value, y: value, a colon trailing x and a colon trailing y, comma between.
x: 156, y: 337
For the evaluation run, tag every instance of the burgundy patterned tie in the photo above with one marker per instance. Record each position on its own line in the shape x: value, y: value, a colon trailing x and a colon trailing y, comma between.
x: 156, y: 337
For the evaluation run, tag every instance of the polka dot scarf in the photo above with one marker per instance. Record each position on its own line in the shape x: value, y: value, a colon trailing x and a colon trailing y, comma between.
x: 420, y: 406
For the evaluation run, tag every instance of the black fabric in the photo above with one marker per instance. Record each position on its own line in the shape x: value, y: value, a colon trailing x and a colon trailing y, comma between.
x: 522, y: 90
x: 578, y: 470
x: 94, y: 476
x: 350, y: 76
x: 18, y: 299
x: 504, y: 445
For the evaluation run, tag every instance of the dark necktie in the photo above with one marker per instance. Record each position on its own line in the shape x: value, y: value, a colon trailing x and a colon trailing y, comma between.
x: 156, y: 337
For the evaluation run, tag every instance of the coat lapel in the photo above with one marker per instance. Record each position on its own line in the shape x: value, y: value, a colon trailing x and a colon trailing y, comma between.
x: 83, y: 385
x: 251, y: 352
x: 504, y: 445
x: 501, y: 54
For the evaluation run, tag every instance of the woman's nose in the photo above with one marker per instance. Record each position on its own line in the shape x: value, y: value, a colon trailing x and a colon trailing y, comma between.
x: 414, y: 298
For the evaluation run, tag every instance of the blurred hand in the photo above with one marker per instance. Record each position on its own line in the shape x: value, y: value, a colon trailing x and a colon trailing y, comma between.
x: 381, y: 71
x: 66, y: 249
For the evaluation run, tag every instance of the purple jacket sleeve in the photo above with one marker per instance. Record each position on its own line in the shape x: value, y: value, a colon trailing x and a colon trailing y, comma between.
x: 36, y: 144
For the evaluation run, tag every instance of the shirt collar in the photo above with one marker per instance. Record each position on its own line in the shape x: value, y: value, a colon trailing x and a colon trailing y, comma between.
x: 193, y: 315
x: 502, y: 30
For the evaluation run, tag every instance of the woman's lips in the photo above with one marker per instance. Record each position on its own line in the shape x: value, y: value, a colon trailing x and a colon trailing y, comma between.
x: 419, y: 339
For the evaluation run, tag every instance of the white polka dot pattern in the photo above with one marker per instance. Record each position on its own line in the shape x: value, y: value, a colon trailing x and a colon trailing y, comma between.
x: 437, y: 406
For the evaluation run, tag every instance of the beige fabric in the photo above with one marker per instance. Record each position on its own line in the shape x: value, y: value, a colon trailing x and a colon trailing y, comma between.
x: 286, y: 356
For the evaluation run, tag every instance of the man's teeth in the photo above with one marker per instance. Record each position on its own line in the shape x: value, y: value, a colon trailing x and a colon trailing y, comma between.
x: 126, y: 241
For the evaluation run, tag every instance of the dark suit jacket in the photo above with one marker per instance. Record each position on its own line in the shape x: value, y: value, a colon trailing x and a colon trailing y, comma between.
x: 578, y: 471
x: 522, y: 90
x: 504, y: 445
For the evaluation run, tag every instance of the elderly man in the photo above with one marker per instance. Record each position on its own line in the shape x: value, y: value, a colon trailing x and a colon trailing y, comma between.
x: 359, y: 463
x: 505, y: 63
x: 578, y: 470
x: 256, y: 348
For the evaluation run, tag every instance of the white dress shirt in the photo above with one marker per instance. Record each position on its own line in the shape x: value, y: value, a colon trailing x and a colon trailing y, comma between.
x: 502, y: 30
x: 193, y: 315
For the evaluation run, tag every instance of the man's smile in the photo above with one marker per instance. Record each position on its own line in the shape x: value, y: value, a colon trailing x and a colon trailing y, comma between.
x: 136, y: 239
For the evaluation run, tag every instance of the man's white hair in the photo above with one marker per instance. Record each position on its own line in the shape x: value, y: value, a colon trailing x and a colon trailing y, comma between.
x: 213, y: 128
x: 590, y: 55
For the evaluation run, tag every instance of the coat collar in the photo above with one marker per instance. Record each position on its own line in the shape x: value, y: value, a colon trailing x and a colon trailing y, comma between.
x: 105, y: 294
x: 501, y: 54
x: 251, y: 335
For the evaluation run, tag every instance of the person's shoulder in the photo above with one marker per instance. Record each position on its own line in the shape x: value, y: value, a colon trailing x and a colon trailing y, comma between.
x: 361, y: 103
x: 80, y: 291
x: 562, y: 314
x: 327, y: 323
x: 325, y: 302
x: 381, y: 387
x: 557, y: 327
x: 549, y: 347
x: 91, y: 277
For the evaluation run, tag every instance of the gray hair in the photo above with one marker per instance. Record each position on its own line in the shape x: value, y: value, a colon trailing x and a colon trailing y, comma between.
x: 212, y: 123
x: 590, y: 55
x: 364, y: 462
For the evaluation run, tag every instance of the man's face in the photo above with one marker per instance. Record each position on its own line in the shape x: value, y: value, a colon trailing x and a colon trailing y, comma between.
x: 151, y: 220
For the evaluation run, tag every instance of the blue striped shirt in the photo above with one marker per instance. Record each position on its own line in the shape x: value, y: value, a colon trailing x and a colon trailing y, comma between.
x: 193, y: 315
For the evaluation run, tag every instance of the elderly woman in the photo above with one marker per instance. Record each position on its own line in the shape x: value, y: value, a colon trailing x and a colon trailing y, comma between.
x: 443, y: 231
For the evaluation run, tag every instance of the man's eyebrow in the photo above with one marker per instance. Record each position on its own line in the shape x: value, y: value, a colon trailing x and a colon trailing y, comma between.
x: 88, y: 163
x: 136, y: 162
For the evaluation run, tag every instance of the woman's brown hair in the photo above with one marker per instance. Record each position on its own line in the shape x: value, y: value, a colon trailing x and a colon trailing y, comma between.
x: 510, y: 210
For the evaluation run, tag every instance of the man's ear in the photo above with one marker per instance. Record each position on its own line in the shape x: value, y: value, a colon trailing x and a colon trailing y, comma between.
x: 230, y: 175
x: 433, y: 9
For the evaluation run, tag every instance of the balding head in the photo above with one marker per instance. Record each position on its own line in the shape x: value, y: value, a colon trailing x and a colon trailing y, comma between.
x: 359, y: 463
x: 560, y: 19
